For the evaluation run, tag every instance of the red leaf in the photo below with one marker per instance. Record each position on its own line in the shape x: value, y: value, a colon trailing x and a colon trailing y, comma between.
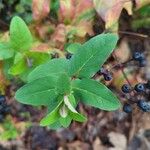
x: 40, y: 8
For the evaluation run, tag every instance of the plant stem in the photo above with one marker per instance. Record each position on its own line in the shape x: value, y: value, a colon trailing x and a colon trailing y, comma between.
x: 133, y: 34
x: 123, y: 72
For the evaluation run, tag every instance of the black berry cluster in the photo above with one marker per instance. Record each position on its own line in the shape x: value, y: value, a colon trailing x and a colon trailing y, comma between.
x: 4, y: 108
x: 140, y: 89
x: 137, y: 94
x: 105, y: 73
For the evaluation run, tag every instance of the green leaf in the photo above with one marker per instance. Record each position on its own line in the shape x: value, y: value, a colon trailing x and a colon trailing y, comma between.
x: 95, y: 94
x: 19, y: 65
x: 6, y: 66
x: 63, y: 84
x: 92, y: 55
x: 54, y: 126
x: 72, y: 48
x: 77, y: 117
x: 5, y: 51
x: 24, y: 64
x: 37, y: 58
x: 52, y: 116
x: 65, y: 122
x: 20, y: 36
x: 54, y: 67
x: 24, y: 75
x: 54, y: 7
x: 69, y: 102
x: 72, y: 100
x: 18, y: 56
x: 18, y: 68
x: 53, y: 104
x: 38, y: 92
x: 63, y: 111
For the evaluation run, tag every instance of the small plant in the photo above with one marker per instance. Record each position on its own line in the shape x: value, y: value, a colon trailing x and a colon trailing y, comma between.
x: 16, y: 54
x: 61, y: 84
x: 11, y: 129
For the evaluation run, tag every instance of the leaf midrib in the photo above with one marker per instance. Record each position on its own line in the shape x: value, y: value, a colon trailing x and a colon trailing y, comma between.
x: 102, y: 99
x: 38, y: 92
x: 33, y: 78
x: 77, y: 73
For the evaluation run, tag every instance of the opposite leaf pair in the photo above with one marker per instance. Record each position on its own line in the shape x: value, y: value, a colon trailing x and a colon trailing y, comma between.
x: 60, y: 83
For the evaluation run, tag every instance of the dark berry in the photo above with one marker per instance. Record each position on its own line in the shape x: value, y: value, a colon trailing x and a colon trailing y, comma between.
x: 126, y: 88
x: 2, y: 99
x: 139, y: 87
x: 3, y: 108
x: 102, y: 71
x: 142, y: 63
x: 138, y: 56
x: 143, y: 105
x: 127, y: 108
x: 107, y: 77
x: 68, y: 56
x: 6, y: 110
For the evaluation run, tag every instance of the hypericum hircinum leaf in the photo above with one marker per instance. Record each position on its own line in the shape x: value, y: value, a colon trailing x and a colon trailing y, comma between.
x: 52, y: 117
x: 69, y: 102
x: 63, y: 111
x: 95, y: 94
x: 54, y: 126
x: 20, y: 36
x: 65, y: 122
x: 54, y: 67
x: 6, y: 51
x: 73, y: 47
x: 37, y: 58
x: 18, y: 67
x: 38, y: 92
x: 91, y: 55
x: 63, y: 84
x: 77, y: 117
